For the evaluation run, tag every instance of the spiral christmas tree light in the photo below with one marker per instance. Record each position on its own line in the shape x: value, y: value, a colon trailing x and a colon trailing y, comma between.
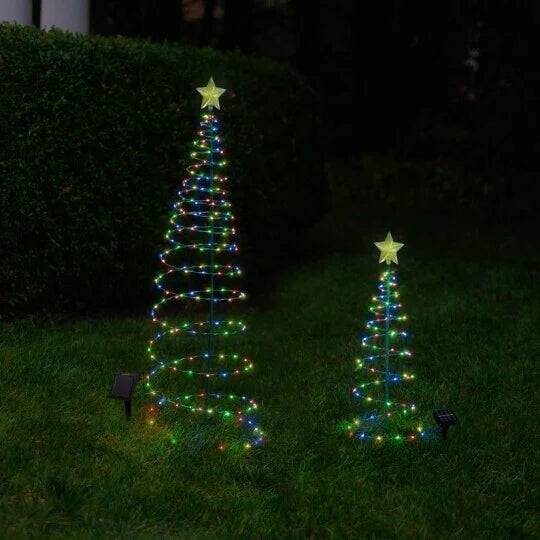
x: 386, y: 415
x: 194, y: 287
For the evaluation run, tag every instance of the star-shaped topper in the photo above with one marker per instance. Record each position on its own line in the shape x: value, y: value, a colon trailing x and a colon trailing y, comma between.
x: 389, y: 249
x: 210, y: 94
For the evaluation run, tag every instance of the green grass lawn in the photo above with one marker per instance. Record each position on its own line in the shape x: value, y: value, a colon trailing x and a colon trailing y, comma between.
x: 70, y: 465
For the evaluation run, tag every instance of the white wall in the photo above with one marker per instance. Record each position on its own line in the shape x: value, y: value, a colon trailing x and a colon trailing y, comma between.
x: 19, y: 11
x: 72, y: 15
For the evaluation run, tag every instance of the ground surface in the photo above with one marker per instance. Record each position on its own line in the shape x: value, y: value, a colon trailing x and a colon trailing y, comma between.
x: 70, y: 464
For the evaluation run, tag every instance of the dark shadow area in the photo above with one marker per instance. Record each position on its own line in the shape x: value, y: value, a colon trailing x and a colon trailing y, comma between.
x: 425, y: 113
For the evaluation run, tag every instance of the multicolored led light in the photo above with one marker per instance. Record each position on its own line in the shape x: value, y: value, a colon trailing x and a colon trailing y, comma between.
x: 200, y: 235
x: 384, y: 418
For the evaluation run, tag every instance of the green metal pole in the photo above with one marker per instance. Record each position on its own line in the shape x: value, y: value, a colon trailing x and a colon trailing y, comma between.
x: 387, y: 342
x: 210, y: 350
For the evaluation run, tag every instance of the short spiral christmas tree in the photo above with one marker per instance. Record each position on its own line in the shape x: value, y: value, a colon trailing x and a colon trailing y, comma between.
x: 386, y: 412
x: 196, y: 270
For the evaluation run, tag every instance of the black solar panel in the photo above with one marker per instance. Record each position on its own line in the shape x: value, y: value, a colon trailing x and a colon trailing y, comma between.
x: 444, y: 416
x: 124, y: 385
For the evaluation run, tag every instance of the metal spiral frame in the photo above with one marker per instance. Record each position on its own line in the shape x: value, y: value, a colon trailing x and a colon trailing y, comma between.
x: 380, y: 346
x: 202, y: 228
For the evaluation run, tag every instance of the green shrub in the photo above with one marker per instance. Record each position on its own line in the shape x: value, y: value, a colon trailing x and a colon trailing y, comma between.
x: 95, y: 134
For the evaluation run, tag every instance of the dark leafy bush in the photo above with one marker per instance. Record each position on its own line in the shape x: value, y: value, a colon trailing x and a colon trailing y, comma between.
x: 95, y: 133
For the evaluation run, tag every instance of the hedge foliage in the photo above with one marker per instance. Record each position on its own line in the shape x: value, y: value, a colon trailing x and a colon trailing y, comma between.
x: 95, y: 134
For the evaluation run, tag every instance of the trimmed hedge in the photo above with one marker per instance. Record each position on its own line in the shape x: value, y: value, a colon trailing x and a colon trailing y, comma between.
x: 95, y: 135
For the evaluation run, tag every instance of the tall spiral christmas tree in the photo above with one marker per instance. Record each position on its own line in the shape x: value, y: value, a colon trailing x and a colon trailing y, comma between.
x: 386, y: 414
x: 191, y: 340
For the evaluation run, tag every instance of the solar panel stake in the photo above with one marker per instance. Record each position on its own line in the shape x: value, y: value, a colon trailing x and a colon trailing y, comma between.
x: 127, y: 407
x: 445, y: 418
x: 123, y: 388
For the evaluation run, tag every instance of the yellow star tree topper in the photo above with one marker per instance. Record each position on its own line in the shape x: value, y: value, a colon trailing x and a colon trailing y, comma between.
x: 388, y: 249
x: 210, y: 94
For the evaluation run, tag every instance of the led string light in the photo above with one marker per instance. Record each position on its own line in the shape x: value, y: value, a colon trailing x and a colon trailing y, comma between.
x: 225, y: 328
x: 173, y: 366
x: 384, y: 419
x: 201, y: 230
